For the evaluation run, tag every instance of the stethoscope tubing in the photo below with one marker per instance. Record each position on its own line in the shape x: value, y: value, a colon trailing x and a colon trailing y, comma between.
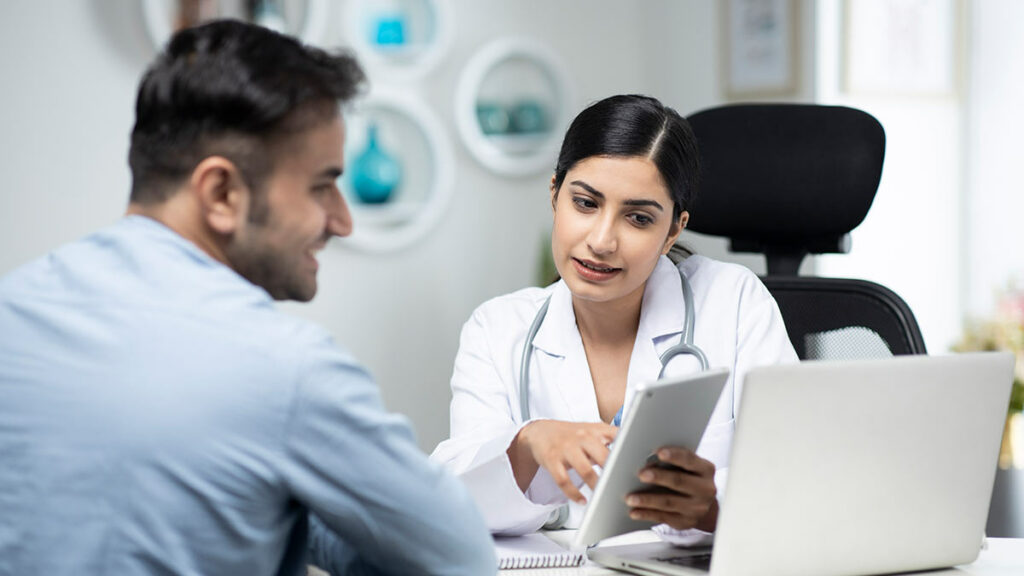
x: 684, y: 347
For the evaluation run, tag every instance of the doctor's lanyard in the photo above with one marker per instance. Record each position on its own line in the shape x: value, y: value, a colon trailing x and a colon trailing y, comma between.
x: 685, y: 346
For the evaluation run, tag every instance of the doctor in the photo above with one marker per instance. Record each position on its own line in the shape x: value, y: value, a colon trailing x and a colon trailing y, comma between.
x: 620, y: 195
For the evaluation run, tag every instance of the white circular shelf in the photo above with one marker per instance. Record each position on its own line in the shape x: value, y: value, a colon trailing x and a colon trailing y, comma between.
x: 534, y: 74
x: 412, y: 133
x: 308, y: 24
x: 427, y: 28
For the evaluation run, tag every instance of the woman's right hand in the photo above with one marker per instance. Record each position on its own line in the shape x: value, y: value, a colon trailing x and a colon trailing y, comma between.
x: 559, y: 447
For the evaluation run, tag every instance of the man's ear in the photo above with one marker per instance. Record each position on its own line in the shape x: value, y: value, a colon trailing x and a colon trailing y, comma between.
x: 675, y: 231
x: 222, y: 194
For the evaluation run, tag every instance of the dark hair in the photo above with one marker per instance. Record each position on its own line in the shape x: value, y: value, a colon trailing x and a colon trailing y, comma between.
x: 633, y: 125
x: 232, y: 89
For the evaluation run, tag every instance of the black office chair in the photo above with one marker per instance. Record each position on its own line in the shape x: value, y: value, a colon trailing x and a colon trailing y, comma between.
x: 787, y: 180
x: 791, y: 180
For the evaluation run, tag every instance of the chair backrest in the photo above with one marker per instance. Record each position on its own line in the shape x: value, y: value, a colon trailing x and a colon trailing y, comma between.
x: 836, y: 318
x: 787, y: 180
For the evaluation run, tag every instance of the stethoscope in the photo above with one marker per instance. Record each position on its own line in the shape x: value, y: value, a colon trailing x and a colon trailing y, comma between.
x: 685, y: 346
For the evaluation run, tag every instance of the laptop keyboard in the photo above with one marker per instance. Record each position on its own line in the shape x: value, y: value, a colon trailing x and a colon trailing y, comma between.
x: 699, y: 561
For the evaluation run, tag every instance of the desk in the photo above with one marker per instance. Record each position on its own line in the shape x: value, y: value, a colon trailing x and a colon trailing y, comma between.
x: 1004, y: 557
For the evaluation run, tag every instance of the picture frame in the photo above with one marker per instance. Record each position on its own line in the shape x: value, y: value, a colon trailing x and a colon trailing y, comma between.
x: 901, y: 47
x: 759, y: 48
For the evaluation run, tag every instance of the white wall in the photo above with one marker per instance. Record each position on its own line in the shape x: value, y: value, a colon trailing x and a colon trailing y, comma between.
x: 682, y: 65
x: 911, y: 239
x: 70, y: 72
x: 994, y: 199
x: 401, y: 314
x: 944, y: 231
x: 69, y: 76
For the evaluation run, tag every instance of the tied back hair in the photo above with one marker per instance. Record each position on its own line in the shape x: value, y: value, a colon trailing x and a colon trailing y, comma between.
x: 636, y: 126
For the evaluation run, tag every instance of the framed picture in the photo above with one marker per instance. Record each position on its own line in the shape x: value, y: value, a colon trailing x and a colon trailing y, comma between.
x: 901, y: 47
x: 759, y: 48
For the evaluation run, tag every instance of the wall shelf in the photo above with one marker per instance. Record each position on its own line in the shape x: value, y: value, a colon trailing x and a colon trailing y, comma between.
x: 511, y: 106
x: 412, y: 134
x: 402, y: 39
x: 305, y: 19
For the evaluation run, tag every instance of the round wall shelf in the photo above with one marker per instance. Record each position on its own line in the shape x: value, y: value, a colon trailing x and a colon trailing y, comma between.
x: 399, y: 38
x: 304, y: 19
x: 512, y: 103
x: 399, y: 171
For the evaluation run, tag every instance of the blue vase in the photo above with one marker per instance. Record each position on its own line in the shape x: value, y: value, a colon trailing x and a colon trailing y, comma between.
x: 375, y: 174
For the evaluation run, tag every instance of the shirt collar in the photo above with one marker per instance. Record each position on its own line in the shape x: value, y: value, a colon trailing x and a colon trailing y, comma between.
x: 160, y: 232
x: 559, y: 323
x: 168, y: 239
x: 664, y: 307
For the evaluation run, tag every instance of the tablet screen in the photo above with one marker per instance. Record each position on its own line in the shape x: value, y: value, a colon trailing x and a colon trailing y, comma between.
x: 669, y: 412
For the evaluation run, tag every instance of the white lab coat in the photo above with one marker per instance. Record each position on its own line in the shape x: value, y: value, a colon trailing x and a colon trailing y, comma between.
x: 737, y: 324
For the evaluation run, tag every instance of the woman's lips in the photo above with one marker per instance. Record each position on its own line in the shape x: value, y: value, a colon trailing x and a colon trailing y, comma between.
x: 594, y: 271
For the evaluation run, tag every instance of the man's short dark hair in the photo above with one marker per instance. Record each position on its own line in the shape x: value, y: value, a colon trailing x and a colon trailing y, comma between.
x: 230, y: 89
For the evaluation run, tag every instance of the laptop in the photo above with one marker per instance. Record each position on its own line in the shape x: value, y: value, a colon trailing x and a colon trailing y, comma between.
x: 852, y: 467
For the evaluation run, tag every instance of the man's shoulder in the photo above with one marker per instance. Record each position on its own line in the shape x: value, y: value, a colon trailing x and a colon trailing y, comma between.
x: 134, y: 256
x: 291, y: 333
x: 137, y: 274
x: 20, y: 279
x: 42, y: 275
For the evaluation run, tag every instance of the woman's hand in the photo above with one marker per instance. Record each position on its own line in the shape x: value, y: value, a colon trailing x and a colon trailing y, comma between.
x: 559, y: 447
x: 683, y: 491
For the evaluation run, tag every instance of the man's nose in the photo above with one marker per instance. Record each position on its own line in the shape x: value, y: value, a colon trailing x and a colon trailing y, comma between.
x: 339, y: 217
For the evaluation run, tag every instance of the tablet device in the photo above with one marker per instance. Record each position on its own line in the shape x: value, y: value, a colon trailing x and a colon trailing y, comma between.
x: 668, y: 412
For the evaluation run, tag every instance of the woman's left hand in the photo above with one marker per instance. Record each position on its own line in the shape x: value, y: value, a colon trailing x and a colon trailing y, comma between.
x: 683, y: 494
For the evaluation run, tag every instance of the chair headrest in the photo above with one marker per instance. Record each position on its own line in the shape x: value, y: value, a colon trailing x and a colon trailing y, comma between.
x: 786, y: 177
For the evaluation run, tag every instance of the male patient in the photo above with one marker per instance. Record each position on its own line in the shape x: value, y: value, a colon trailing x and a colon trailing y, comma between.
x: 157, y: 414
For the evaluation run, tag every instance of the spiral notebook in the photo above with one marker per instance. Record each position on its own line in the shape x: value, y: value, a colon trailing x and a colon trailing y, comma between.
x: 533, y: 551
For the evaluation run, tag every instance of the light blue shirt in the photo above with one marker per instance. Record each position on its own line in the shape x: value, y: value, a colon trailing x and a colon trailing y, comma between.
x: 158, y: 416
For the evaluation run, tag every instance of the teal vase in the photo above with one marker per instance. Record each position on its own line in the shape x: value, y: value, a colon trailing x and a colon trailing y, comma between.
x: 375, y: 174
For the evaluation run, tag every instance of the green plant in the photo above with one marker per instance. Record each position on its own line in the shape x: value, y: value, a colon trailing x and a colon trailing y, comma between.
x: 1004, y: 331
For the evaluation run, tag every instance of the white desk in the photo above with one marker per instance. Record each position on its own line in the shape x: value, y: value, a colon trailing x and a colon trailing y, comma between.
x: 1004, y: 557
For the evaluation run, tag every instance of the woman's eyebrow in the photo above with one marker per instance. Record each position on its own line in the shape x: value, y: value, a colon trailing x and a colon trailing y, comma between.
x: 631, y: 202
x: 588, y: 188
x: 650, y: 203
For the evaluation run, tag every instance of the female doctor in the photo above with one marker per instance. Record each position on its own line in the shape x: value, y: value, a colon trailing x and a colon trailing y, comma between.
x: 620, y: 195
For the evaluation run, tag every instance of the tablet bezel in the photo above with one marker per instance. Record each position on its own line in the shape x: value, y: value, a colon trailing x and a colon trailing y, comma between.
x: 670, y: 412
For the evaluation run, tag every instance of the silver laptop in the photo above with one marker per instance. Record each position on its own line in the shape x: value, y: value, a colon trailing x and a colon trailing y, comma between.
x: 852, y: 467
